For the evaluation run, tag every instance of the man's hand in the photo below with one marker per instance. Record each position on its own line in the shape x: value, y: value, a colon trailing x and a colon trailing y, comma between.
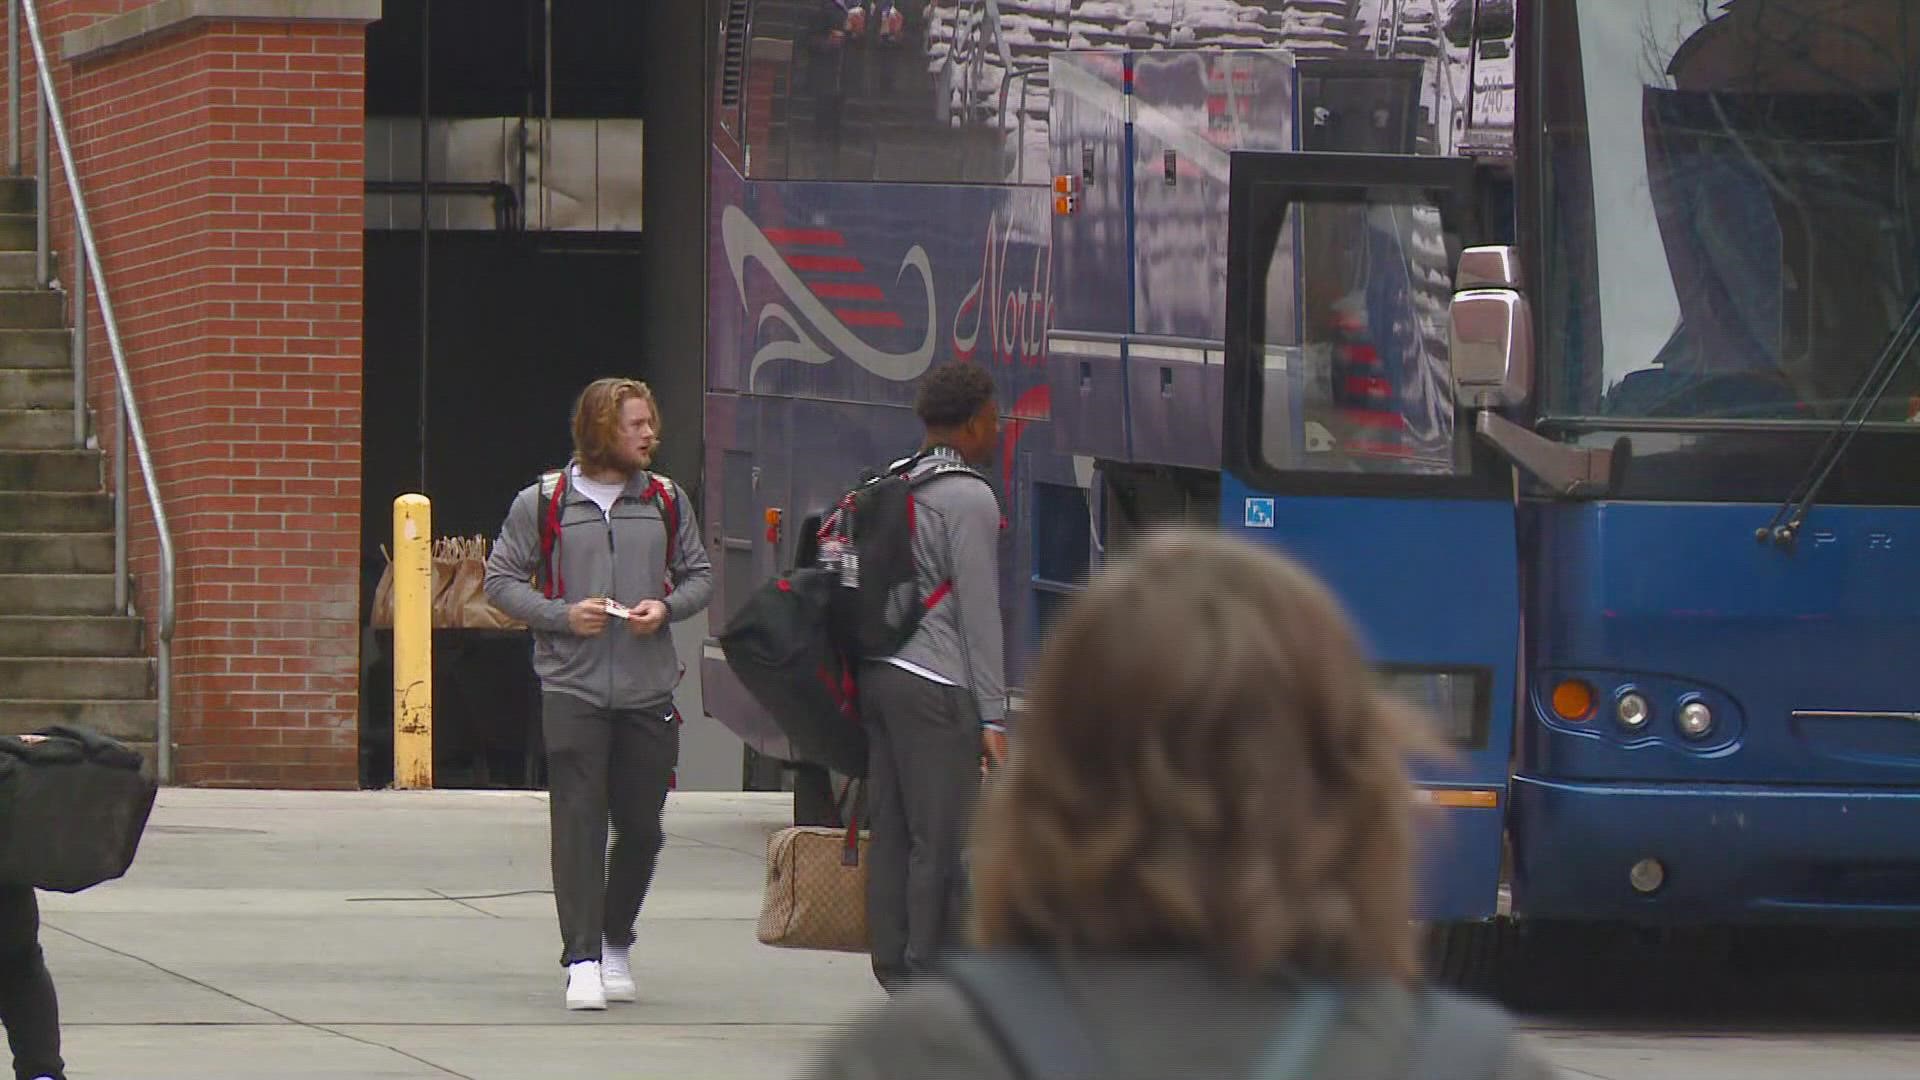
x: 648, y: 617
x: 994, y: 745
x: 588, y: 617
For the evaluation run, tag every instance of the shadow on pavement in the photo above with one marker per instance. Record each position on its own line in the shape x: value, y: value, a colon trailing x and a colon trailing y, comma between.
x: 1770, y: 981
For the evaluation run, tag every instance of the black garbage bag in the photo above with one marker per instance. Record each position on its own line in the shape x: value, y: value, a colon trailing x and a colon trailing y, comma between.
x: 73, y: 806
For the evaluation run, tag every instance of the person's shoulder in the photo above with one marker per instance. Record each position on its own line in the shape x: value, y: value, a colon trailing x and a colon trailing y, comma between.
x: 1466, y: 1027
x: 928, y: 1029
x: 546, y: 480
x: 965, y: 489
x: 531, y: 492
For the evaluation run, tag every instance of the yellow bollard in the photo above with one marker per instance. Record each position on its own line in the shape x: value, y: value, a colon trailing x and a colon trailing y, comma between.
x: 412, y: 642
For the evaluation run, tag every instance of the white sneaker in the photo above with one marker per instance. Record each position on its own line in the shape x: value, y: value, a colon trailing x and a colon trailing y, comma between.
x: 616, y: 972
x: 584, y: 989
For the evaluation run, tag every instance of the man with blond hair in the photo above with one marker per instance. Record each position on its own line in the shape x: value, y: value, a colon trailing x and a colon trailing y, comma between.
x: 598, y: 559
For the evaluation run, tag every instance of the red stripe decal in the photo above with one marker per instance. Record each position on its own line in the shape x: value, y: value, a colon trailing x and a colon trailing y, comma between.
x: 939, y: 594
x: 805, y: 238
x: 885, y: 319
x: 827, y: 264
x: 841, y: 290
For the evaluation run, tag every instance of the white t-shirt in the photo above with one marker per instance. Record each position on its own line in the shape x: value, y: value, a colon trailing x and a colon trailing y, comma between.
x: 603, y: 493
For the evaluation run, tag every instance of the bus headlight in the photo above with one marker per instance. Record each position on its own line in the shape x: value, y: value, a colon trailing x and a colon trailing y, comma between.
x: 1632, y: 711
x: 1695, y: 719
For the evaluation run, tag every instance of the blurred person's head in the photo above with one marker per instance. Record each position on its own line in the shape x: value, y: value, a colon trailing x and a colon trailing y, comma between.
x: 957, y: 407
x: 1207, y: 765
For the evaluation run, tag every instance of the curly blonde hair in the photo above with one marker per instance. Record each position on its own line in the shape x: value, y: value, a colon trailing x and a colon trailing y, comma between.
x: 1208, y: 765
x: 596, y: 418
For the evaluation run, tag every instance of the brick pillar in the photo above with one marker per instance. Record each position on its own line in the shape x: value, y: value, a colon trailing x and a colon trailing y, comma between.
x: 220, y: 146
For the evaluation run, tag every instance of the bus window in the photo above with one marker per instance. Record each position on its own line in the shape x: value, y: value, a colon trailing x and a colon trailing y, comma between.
x: 882, y: 90
x: 956, y: 91
x: 1734, y: 224
x: 1356, y: 378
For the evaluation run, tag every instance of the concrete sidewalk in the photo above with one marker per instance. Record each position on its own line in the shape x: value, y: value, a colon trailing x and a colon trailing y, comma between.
x: 388, y: 934
x: 405, y: 935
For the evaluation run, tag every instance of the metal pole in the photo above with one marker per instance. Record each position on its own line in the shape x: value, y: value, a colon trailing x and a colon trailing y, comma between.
x: 13, y: 86
x: 412, y: 642
x: 130, y: 414
x: 42, y: 195
x: 79, y: 339
x: 165, y: 727
x: 122, y: 581
x: 546, y: 128
x: 426, y: 232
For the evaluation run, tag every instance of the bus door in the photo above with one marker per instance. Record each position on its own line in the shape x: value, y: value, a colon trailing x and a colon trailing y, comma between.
x: 1345, y: 448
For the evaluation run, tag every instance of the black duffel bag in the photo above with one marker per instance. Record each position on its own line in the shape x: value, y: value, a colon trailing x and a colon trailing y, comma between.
x: 781, y: 647
x: 73, y: 805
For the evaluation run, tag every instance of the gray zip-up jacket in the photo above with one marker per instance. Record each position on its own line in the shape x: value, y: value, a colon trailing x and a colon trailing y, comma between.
x: 956, y: 538
x: 622, y: 556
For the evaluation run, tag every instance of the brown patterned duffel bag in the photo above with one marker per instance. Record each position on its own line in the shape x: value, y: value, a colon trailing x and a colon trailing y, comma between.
x: 816, y: 896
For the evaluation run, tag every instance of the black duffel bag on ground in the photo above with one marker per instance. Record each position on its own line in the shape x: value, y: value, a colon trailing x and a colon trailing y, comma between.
x: 73, y: 805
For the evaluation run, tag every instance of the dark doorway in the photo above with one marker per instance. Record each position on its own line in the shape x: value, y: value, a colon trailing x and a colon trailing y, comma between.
x: 526, y: 296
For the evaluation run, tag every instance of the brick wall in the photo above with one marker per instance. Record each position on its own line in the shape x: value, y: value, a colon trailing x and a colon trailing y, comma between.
x: 222, y: 164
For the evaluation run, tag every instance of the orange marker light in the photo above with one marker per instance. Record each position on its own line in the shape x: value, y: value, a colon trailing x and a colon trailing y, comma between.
x: 1573, y: 700
x: 1458, y: 798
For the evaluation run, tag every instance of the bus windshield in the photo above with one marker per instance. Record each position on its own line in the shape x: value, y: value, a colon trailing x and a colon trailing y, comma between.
x: 1732, y: 224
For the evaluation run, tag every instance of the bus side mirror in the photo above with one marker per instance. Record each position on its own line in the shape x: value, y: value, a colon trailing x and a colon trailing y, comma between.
x: 1490, y: 331
x: 1491, y: 335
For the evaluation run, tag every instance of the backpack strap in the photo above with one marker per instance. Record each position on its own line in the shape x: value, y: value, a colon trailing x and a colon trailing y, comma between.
x: 940, y: 469
x: 661, y: 490
x: 553, y: 493
x: 1290, y: 1053
x: 947, y: 468
x: 1025, y: 1009
x: 1460, y: 1039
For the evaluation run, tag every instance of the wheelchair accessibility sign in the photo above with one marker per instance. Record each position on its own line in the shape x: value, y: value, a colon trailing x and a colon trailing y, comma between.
x: 1259, y: 513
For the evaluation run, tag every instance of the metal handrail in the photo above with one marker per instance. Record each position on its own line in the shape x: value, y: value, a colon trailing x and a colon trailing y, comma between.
x: 128, y: 411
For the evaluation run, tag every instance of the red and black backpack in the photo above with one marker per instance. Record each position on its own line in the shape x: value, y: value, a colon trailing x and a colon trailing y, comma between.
x: 796, y: 641
x: 553, y: 495
x: 868, y: 537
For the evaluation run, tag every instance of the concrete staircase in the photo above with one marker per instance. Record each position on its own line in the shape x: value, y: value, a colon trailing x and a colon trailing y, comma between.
x: 66, y: 656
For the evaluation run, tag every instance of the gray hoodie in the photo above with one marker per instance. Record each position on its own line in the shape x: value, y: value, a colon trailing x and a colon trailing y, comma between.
x: 623, y: 556
x: 956, y: 544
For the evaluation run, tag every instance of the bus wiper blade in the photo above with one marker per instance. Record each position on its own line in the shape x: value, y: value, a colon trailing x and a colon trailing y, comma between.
x: 1786, y: 523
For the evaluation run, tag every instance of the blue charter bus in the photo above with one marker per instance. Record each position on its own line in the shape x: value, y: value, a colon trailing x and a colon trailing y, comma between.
x: 1566, y: 340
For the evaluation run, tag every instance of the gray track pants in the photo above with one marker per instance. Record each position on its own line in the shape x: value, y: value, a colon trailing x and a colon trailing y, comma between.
x: 923, y: 777
x: 604, y: 765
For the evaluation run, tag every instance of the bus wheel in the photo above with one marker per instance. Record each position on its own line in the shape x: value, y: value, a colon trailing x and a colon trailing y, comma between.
x: 1469, y: 956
